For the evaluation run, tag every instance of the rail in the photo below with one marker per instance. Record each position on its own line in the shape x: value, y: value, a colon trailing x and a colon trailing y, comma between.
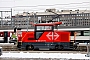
x: 12, y: 47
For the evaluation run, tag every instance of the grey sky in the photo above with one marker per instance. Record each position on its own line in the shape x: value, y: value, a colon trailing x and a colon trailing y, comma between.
x: 65, y: 4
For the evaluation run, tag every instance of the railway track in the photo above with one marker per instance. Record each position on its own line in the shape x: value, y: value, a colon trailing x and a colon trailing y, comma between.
x: 9, y: 48
x: 74, y: 52
x: 12, y: 47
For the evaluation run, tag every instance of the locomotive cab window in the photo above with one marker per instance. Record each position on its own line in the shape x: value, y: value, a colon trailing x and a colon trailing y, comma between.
x: 39, y: 28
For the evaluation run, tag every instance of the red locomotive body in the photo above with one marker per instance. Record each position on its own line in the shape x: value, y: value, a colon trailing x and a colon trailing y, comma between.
x: 48, y: 36
x: 45, y: 37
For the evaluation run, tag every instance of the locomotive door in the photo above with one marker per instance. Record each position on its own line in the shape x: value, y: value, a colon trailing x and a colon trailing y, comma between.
x: 40, y: 43
x: 40, y: 36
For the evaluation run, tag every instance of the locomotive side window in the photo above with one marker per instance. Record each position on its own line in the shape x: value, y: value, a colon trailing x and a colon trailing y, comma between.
x: 80, y: 33
x: 48, y: 27
x: 38, y: 34
x: 43, y: 27
x: 39, y: 30
x: 86, y: 33
x: 1, y: 34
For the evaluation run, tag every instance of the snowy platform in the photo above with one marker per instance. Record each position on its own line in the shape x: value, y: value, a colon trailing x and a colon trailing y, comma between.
x: 44, y: 55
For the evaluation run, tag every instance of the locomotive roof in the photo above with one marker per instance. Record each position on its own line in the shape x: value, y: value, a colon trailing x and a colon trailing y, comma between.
x: 48, y: 24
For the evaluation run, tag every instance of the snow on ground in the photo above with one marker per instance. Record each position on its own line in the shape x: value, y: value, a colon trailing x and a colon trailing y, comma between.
x: 45, y: 55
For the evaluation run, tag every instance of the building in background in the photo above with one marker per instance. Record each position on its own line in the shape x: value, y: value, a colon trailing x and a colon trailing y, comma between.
x: 78, y: 18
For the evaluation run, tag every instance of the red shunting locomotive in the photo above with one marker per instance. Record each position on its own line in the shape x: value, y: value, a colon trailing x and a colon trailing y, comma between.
x: 46, y: 37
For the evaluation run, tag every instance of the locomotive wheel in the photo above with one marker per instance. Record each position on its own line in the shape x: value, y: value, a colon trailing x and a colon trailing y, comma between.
x: 29, y: 47
x: 61, y: 47
x: 75, y: 48
x: 57, y: 47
